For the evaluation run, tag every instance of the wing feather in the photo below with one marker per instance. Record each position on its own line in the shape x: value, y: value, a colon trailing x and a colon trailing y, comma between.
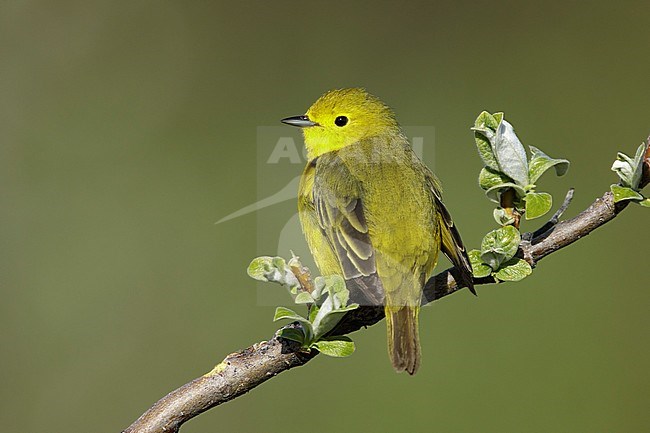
x: 339, y: 206
x: 452, y: 244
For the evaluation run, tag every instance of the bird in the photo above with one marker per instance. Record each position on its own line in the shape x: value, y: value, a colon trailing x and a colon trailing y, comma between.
x: 372, y: 212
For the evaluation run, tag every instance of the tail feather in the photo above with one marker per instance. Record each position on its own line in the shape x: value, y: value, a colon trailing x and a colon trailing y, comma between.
x: 403, y: 338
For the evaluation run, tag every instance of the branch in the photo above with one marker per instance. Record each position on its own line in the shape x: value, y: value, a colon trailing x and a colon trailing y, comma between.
x: 237, y: 374
x: 242, y: 371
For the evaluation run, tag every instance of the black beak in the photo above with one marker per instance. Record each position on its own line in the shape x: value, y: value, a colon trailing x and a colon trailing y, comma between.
x: 300, y: 121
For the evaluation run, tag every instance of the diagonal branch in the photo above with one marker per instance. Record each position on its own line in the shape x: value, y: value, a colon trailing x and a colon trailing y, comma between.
x: 242, y: 371
x: 237, y: 374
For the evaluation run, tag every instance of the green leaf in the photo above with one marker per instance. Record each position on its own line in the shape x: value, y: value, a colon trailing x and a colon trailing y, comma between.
x: 479, y: 269
x: 484, y: 128
x: 540, y: 162
x: 287, y: 313
x: 485, y: 150
x: 335, y: 346
x: 537, y: 204
x: 259, y: 267
x: 313, y: 311
x: 645, y: 202
x: 498, y: 118
x: 499, y: 246
x: 639, y: 159
x: 501, y: 217
x: 487, y: 120
x: 624, y: 193
x: 274, y: 270
x: 292, y: 334
x: 279, y: 263
x: 510, y: 154
x: 489, y: 178
x: 495, y: 192
x: 493, y: 258
x: 303, y: 298
x: 514, y: 270
x: 333, y: 285
x: 327, y: 318
x: 630, y: 170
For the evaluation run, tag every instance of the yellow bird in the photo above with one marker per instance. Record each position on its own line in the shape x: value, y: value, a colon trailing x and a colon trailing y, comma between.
x: 372, y: 212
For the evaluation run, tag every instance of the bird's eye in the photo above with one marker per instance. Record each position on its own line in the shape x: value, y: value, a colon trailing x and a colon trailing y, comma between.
x: 341, y: 121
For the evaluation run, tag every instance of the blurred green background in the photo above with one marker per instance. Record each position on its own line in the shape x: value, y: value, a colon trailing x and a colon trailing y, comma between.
x: 128, y: 128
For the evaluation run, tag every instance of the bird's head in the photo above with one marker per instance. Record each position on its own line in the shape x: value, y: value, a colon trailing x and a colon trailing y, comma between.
x: 343, y: 117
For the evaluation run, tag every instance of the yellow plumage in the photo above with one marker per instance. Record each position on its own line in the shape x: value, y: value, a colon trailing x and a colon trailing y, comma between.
x: 371, y: 211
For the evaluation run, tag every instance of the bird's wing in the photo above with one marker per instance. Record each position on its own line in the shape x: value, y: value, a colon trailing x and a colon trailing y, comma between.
x: 452, y: 244
x: 340, y: 211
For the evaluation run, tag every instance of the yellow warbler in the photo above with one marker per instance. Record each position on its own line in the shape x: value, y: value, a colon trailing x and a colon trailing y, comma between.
x: 372, y: 212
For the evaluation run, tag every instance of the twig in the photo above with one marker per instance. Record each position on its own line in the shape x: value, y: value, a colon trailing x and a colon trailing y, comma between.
x: 242, y: 371
x: 303, y: 276
x: 507, y: 202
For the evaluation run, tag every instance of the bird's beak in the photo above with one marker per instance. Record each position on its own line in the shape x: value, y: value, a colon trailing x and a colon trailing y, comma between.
x: 300, y: 121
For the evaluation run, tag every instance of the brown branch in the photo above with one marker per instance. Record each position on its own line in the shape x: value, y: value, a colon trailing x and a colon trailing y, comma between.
x: 242, y: 371
x: 237, y: 374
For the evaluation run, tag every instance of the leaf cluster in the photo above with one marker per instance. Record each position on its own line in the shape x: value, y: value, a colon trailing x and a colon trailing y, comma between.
x: 508, y: 167
x: 326, y: 305
x: 497, y: 256
x: 630, y: 173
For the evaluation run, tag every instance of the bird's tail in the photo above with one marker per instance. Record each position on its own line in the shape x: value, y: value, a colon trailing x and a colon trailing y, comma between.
x: 403, y: 337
